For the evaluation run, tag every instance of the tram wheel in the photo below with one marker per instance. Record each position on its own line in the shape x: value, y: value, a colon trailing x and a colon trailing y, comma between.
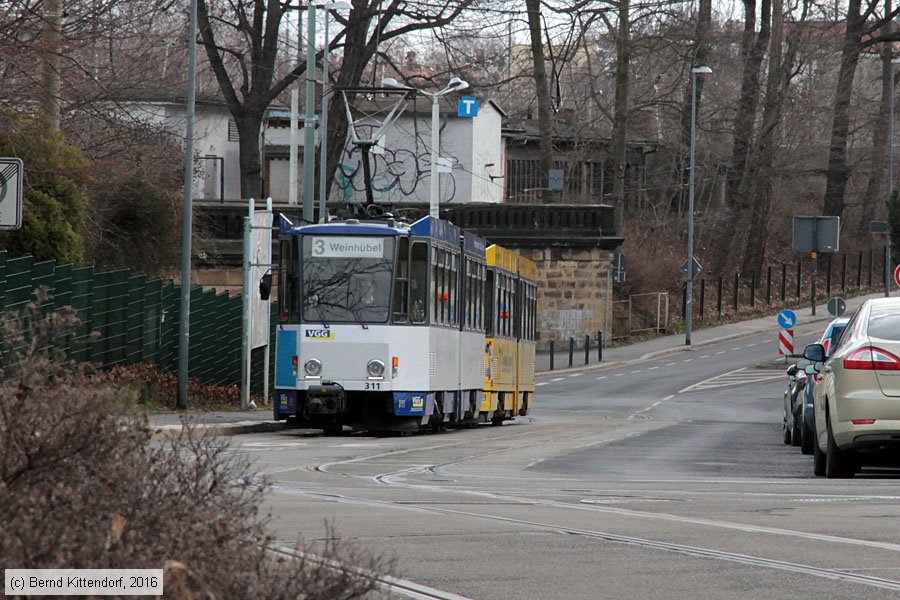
x: 497, y: 421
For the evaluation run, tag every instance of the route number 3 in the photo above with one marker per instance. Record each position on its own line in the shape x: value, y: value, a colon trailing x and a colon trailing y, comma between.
x: 319, y: 247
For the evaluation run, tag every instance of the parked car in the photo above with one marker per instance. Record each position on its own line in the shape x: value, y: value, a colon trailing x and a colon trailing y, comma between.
x: 793, y: 404
x: 857, y: 399
x: 829, y: 340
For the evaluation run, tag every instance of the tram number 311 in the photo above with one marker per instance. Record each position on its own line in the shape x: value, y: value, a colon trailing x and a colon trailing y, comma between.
x: 373, y: 385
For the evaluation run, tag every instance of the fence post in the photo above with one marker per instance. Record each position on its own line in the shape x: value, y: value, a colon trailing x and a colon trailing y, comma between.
x: 552, y: 353
x: 571, y: 350
x: 871, y: 260
x: 737, y: 289
x: 859, y: 271
x: 769, y: 286
x: 684, y: 302
x: 799, y: 279
x: 828, y: 279
x: 783, y: 281
x: 844, y: 272
x: 752, y: 289
x: 719, y: 287
x: 587, y: 349
x: 702, y: 296
x: 599, y: 346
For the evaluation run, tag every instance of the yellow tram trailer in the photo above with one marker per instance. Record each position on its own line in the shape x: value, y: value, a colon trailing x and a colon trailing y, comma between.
x: 509, y: 357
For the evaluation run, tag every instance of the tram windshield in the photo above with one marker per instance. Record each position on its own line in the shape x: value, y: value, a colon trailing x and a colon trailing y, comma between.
x: 346, y: 279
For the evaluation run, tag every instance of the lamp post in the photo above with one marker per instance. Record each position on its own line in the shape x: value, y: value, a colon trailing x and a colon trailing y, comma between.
x: 455, y: 84
x: 323, y: 148
x: 890, y: 182
x: 689, y: 288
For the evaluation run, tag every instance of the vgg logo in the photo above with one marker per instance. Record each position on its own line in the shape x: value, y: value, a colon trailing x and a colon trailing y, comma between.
x: 320, y: 334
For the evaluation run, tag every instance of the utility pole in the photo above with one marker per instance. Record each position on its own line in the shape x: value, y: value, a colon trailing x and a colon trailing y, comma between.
x: 309, y: 118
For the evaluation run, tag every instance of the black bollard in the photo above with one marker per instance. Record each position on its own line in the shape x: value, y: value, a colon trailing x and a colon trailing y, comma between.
x: 571, y: 350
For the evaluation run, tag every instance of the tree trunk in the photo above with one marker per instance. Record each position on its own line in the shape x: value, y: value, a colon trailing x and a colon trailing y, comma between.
x: 543, y: 93
x: 620, y: 118
x: 49, y: 100
x: 753, y: 52
x: 700, y: 56
x: 248, y: 126
x: 838, y: 171
x: 759, y: 178
x: 878, y: 171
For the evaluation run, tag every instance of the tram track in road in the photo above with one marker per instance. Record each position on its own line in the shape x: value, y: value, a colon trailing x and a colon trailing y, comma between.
x: 683, y: 549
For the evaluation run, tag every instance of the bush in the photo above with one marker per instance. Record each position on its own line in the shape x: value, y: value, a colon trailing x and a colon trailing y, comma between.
x: 55, y: 200
x: 83, y: 486
x: 151, y: 388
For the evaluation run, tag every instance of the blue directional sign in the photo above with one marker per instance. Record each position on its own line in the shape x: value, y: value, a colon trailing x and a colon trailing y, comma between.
x: 787, y: 319
x: 468, y: 107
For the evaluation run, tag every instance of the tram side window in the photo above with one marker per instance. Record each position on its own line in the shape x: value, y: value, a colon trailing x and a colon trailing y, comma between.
x: 401, y: 282
x: 502, y: 306
x: 418, y: 283
x: 482, y: 269
x: 452, y: 301
x: 488, y: 295
x: 533, y: 312
x: 288, y: 296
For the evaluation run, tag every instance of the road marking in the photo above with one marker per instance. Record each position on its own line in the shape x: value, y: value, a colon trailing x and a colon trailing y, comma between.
x: 652, y: 368
x: 601, y: 377
x: 618, y: 374
x: 738, y: 348
x: 741, y: 376
x: 704, y: 356
x: 687, y: 360
x: 751, y: 345
x: 576, y: 374
x: 558, y: 379
x: 635, y: 372
x: 669, y: 364
x: 720, y: 353
x: 542, y: 383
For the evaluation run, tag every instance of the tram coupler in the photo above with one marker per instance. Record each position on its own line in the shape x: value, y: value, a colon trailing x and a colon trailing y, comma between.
x: 325, y: 399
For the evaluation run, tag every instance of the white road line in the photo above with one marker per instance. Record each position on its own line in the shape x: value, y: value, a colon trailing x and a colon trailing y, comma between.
x: 738, y: 348
x: 669, y: 364
x: 751, y: 345
x: 542, y: 383
x: 720, y: 353
x: 652, y: 368
x: 601, y: 377
x: 558, y: 379
x: 576, y: 374
x: 704, y: 356
x: 635, y: 372
x: 687, y: 360
x: 618, y: 374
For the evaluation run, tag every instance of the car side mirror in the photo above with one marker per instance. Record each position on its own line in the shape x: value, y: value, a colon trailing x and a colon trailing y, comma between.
x: 811, y: 369
x: 265, y: 286
x: 814, y: 353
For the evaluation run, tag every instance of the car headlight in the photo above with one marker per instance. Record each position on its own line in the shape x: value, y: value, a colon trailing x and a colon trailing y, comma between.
x: 313, y: 367
x: 375, y: 368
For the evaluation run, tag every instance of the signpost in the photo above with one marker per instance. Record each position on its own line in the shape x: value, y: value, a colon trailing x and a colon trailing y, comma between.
x: 813, y: 235
x: 11, y: 177
x: 786, y: 320
x: 837, y: 306
x: 695, y: 270
x: 882, y: 228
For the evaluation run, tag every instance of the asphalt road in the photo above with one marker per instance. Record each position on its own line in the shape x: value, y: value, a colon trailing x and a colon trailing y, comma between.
x: 666, y: 478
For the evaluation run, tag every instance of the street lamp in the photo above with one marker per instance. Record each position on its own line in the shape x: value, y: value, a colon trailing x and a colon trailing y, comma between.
x: 890, y: 182
x: 689, y: 287
x: 323, y: 148
x: 455, y: 84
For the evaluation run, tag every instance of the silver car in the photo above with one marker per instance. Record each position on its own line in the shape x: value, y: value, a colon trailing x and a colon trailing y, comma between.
x: 857, y: 399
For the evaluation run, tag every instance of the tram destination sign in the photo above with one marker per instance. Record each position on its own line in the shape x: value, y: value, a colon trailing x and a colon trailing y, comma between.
x: 347, y: 247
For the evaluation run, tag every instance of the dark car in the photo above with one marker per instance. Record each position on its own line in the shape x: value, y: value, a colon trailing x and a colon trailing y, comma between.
x: 829, y: 340
x: 793, y: 404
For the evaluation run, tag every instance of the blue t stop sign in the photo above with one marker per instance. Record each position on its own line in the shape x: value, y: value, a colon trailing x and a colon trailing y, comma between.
x: 787, y: 319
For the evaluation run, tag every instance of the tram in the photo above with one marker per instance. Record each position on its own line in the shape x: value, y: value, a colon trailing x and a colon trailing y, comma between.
x: 388, y: 326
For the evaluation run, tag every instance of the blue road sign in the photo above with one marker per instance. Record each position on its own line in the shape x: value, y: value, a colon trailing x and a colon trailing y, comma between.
x: 468, y: 107
x: 787, y: 319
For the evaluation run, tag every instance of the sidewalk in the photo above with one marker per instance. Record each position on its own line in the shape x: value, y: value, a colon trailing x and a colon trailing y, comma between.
x: 671, y: 344
x: 216, y: 423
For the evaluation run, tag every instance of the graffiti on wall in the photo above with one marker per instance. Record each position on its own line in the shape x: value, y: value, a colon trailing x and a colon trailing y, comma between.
x: 397, y: 175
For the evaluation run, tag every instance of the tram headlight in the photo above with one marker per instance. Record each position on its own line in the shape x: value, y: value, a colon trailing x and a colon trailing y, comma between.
x: 313, y: 367
x: 375, y: 368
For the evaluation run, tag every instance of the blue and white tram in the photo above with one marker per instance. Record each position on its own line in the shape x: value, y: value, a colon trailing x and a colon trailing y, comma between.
x: 381, y: 325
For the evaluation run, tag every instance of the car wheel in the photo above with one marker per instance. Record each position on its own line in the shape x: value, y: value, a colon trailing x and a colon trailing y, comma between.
x: 818, y: 460
x: 785, y: 431
x: 795, y: 432
x: 838, y: 463
x: 807, y: 439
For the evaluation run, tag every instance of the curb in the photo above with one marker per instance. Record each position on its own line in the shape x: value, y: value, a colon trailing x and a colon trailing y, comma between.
x: 224, y: 429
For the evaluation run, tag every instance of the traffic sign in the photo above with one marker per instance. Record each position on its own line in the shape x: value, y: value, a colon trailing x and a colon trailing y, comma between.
x: 467, y: 107
x: 837, y: 306
x: 897, y: 275
x: 696, y: 268
x: 11, y: 174
x: 787, y: 319
x: 786, y: 342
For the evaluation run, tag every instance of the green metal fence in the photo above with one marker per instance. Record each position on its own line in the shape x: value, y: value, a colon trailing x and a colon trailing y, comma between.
x: 137, y: 319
